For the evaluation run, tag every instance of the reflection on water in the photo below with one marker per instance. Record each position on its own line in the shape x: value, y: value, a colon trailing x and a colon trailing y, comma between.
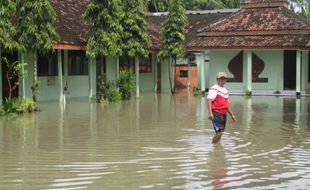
x: 158, y: 142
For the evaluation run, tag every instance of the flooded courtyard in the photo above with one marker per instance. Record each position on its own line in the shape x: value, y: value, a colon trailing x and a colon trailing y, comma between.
x: 157, y: 142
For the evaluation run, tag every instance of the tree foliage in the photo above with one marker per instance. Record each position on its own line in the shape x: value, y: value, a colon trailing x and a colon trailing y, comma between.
x: 36, y: 31
x: 301, y: 7
x: 172, y: 31
x: 172, y: 37
x: 162, y: 5
x: 7, y: 30
x: 36, y: 25
x: 135, y: 38
x: 105, y: 34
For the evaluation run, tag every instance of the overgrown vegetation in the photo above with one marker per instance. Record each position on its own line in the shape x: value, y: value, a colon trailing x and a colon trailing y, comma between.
x: 126, y: 84
x: 18, y: 105
x: 117, y: 89
x: 172, y: 38
x: 35, y: 31
x: 197, y: 92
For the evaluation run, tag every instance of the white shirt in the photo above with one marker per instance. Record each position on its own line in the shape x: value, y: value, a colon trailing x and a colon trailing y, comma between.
x: 217, y: 90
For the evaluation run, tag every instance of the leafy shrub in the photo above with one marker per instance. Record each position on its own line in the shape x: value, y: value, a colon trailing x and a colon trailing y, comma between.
x: 28, y: 105
x: 126, y: 84
x: 197, y: 92
x: 113, y: 95
x: 18, y: 105
x: 2, y: 111
x: 115, y: 90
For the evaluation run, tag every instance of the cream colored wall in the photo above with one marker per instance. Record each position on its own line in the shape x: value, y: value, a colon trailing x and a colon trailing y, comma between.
x: 111, y: 68
x: 305, y: 84
x: 273, y: 70
x: 165, y: 87
x: 219, y: 63
x: 78, y: 86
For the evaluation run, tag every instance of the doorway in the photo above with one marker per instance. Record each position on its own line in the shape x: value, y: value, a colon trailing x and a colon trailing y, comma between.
x: 289, y: 75
x: 158, y: 77
x: 9, y: 79
x: 100, y: 75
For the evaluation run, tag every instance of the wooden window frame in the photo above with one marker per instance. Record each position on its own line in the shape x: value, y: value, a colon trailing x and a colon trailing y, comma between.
x: 77, y: 63
x: 47, y: 64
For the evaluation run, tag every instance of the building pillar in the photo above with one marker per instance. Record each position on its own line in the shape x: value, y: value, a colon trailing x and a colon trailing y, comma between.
x: 200, y: 62
x: 117, y: 67
x: 188, y: 60
x: 248, y: 72
x: 66, y: 66
x: 298, y: 72
x: 207, y: 68
x: 137, y: 76
x: 92, y: 88
x: 304, y: 70
x: 1, y: 88
x: 154, y: 61
x: 23, y: 79
x: 60, y: 82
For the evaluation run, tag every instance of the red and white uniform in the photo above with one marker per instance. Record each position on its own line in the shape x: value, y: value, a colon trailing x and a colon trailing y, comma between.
x: 219, y: 97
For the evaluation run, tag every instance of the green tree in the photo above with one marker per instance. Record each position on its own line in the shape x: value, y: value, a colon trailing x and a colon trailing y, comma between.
x: 104, y: 37
x: 7, y: 30
x: 301, y: 7
x: 173, y: 37
x: 158, y: 5
x: 162, y: 5
x: 36, y: 31
x: 135, y: 38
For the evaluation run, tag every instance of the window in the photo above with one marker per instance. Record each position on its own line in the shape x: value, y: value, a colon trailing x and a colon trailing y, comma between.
x: 183, y: 73
x: 192, y: 59
x: 47, y: 64
x: 78, y: 64
x: 127, y: 63
x: 146, y: 64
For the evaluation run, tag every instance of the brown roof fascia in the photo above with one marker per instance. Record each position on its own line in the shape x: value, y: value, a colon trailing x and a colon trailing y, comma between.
x: 69, y: 47
x: 257, y: 33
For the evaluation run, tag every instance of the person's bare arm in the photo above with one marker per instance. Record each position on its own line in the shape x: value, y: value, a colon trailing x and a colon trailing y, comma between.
x: 211, y: 116
x: 232, y: 115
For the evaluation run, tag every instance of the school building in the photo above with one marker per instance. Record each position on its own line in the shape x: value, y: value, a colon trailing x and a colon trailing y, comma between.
x: 263, y: 47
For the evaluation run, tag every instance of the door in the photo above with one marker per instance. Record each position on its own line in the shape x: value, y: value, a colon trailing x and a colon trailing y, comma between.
x: 158, y: 77
x: 100, y: 75
x: 289, y: 76
x: 9, y: 78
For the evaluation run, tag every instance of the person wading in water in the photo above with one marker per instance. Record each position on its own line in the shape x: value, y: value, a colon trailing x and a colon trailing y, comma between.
x: 218, y: 106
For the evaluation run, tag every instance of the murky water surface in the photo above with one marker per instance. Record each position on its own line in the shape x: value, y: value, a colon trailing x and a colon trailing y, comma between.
x: 157, y: 142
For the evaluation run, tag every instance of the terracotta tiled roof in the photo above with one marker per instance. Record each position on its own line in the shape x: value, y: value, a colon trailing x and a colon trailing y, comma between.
x: 251, y: 42
x: 197, y: 20
x: 261, y: 1
x: 70, y: 25
x: 272, y: 27
x: 259, y: 19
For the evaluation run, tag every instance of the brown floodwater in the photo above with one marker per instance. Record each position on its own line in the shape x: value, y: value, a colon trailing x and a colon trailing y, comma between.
x: 157, y: 142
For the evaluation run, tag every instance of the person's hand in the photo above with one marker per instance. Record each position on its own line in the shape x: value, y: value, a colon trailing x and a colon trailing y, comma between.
x: 211, y: 116
x: 233, y: 117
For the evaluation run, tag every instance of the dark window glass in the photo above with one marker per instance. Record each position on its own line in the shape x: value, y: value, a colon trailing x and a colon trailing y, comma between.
x: 146, y: 64
x: 77, y: 63
x: 47, y: 64
x: 183, y: 73
x: 308, y: 66
x: 127, y: 63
